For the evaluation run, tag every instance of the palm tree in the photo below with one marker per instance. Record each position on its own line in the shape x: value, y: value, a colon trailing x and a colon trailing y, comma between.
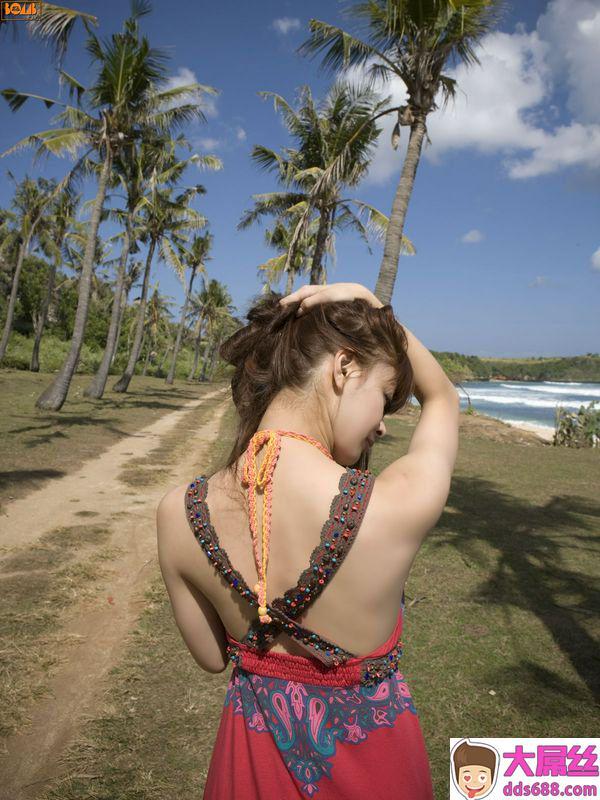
x: 134, y: 168
x: 196, y: 318
x: 157, y: 322
x: 218, y: 312
x: 132, y: 276
x: 279, y: 237
x: 29, y: 202
x: 54, y: 25
x: 322, y: 132
x: 412, y: 40
x: 126, y: 103
x: 61, y: 224
x: 166, y: 220
x: 193, y: 258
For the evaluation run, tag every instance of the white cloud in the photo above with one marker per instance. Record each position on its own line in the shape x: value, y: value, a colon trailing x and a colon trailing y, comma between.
x: 208, y: 143
x: 567, y: 146
x: 595, y: 260
x: 539, y: 280
x: 472, y: 236
x: 505, y: 105
x: 284, y: 25
x: 241, y: 134
x: 572, y: 27
x: 183, y: 77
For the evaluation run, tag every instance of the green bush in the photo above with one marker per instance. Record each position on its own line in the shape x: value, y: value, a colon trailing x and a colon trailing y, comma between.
x: 53, y: 352
x: 580, y: 429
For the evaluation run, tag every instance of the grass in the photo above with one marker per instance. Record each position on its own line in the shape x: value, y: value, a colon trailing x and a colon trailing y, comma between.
x: 156, y: 728
x: 47, y: 579
x: 501, y: 640
x: 41, y: 445
x: 155, y: 466
x: 499, y: 628
x: 42, y: 580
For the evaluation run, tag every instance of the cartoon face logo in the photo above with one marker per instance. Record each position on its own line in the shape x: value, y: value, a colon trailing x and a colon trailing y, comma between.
x: 474, y: 769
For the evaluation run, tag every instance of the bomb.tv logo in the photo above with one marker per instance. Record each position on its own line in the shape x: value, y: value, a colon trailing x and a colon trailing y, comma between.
x: 24, y: 11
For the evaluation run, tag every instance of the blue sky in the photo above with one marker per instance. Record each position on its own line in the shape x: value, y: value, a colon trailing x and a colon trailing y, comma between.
x: 504, y: 215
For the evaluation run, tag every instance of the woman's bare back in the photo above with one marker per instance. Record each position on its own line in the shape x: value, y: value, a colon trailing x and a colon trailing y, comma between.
x: 358, y: 609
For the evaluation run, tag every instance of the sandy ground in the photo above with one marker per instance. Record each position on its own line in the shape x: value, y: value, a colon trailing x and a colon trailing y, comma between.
x: 95, y: 631
x: 541, y: 430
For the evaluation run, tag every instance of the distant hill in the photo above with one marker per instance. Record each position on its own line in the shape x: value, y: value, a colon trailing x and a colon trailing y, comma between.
x: 460, y: 367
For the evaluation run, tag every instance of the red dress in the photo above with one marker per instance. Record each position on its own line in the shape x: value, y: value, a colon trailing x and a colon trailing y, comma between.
x: 328, y: 724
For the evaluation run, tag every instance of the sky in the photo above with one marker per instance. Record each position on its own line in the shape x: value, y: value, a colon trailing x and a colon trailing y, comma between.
x: 505, y: 209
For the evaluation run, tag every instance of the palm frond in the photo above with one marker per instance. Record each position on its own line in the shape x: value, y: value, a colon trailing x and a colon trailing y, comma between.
x: 55, y: 25
x: 16, y: 99
x: 75, y: 88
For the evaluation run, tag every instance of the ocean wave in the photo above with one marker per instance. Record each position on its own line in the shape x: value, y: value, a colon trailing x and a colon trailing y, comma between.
x: 529, y: 402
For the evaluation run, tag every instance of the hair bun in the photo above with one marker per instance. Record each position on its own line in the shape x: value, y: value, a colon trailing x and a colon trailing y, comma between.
x: 265, y: 317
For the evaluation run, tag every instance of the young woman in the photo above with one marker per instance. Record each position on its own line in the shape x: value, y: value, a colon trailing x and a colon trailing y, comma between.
x: 292, y: 564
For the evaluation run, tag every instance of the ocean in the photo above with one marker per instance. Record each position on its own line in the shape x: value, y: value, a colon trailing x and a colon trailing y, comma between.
x: 532, y: 402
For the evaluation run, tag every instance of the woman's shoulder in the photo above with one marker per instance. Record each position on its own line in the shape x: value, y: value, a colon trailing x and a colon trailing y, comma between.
x: 172, y: 526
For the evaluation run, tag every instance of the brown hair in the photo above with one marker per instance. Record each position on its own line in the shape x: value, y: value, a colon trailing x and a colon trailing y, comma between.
x: 467, y: 754
x: 276, y: 350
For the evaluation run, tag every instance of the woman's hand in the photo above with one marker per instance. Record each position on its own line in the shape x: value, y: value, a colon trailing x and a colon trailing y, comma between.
x: 310, y: 295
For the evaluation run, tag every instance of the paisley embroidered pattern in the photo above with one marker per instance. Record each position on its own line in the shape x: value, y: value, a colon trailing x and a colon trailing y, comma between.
x: 307, y: 721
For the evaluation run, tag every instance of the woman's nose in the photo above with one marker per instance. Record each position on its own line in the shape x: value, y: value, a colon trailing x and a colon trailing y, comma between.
x: 381, y: 429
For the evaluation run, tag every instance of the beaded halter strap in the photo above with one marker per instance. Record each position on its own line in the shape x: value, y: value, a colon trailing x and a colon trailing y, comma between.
x: 262, y: 479
x: 337, y: 535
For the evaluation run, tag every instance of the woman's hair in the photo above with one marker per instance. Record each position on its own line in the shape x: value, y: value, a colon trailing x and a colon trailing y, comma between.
x: 278, y: 350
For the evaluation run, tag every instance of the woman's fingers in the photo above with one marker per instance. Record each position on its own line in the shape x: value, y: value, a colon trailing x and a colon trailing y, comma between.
x: 311, y: 295
x: 304, y: 291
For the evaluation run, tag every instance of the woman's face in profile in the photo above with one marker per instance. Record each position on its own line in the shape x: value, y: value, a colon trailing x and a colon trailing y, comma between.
x: 359, y: 418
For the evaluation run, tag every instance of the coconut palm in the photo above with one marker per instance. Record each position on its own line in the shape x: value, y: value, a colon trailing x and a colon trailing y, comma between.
x: 196, y: 320
x: 61, y: 224
x: 322, y: 131
x: 279, y: 237
x: 30, y: 201
x: 126, y: 102
x: 192, y: 257
x: 218, y: 311
x: 134, y: 270
x: 136, y: 164
x: 54, y: 25
x: 167, y: 220
x: 157, y: 322
x: 413, y: 40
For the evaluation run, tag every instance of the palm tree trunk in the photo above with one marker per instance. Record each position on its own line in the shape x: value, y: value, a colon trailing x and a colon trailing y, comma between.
x: 53, y: 398
x: 123, y: 383
x: 213, y: 357
x: 322, y: 233
x: 171, y: 376
x: 98, y: 384
x: 164, y: 358
x: 289, y: 285
x: 10, y: 311
x: 120, y: 325
x: 393, y: 237
x: 205, y: 362
x: 34, y: 364
x: 196, y: 348
x: 147, y: 359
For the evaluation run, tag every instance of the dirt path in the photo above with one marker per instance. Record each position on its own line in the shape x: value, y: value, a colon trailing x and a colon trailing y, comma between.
x: 97, y: 631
